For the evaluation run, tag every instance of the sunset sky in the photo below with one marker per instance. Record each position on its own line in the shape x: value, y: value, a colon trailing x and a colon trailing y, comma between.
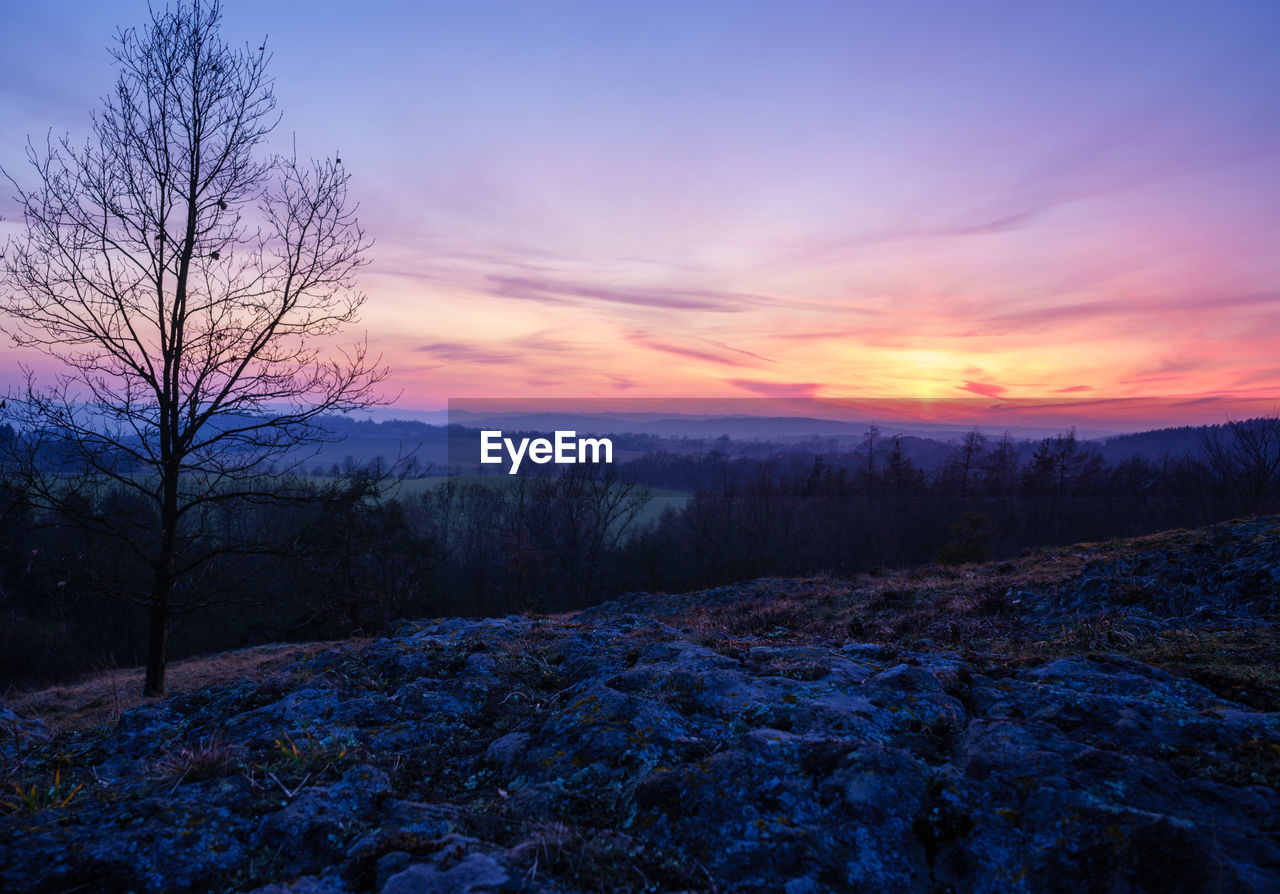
x: 598, y: 199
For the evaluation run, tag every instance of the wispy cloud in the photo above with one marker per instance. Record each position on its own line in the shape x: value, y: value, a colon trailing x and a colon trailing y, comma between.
x: 535, y: 347
x: 722, y: 346
x: 542, y: 382
x: 555, y: 291
x: 977, y: 225
x: 777, y: 389
x: 1153, y: 140
x: 1159, y: 138
x: 1271, y: 300
x: 1032, y: 319
x: 1268, y: 374
x: 833, y: 334
x: 466, y: 352
x: 1036, y: 317
x: 546, y: 342
x: 726, y: 355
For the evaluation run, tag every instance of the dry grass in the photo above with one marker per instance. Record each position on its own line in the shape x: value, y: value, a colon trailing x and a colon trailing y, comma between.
x: 207, y: 758
x: 101, y: 698
x: 985, y: 607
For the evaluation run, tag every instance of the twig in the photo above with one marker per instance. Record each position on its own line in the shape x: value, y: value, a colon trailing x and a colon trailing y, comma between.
x: 710, y: 880
x: 289, y: 794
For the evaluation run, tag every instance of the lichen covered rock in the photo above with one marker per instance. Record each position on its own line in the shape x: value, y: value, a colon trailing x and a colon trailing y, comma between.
x: 630, y: 748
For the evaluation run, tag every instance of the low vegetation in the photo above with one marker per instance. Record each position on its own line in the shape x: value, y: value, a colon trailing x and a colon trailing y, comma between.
x: 1063, y: 715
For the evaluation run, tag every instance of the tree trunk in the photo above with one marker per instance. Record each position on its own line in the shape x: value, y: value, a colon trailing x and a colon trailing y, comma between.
x: 162, y: 587
x: 158, y: 635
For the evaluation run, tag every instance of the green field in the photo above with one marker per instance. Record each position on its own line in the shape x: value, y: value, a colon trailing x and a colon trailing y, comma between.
x: 659, y: 498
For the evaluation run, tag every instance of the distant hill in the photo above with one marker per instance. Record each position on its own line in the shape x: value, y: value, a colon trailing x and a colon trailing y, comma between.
x: 1153, y: 444
x: 928, y: 447
x: 1172, y: 442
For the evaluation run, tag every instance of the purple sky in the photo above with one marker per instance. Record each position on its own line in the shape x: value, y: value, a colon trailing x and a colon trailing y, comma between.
x: 835, y: 199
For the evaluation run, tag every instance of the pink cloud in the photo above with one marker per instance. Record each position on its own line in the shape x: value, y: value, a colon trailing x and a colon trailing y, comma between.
x: 777, y: 389
x: 984, y: 389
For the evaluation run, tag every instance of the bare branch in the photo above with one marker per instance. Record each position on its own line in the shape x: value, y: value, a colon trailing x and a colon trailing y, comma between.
x: 190, y: 285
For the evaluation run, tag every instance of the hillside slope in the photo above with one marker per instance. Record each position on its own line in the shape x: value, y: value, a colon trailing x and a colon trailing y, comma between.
x: 1102, y: 717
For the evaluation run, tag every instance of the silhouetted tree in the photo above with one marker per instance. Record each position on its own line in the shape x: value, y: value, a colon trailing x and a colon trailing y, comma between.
x: 962, y: 467
x: 1245, y: 459
x: 1000, y: 468
x: 190, y: 286
x: 900, y: 475
x: 870, y: 440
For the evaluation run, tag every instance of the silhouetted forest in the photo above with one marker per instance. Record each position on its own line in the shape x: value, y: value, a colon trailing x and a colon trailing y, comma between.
x: 353, y: 552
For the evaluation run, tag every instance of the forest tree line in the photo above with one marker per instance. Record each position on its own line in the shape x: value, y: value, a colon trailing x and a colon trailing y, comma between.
x: 352, y: 553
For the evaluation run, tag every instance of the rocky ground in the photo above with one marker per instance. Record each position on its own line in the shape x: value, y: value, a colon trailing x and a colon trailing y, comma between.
x: 1102, y: 717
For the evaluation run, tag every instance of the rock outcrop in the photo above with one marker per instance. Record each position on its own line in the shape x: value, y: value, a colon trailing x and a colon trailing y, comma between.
x: 722, y: 741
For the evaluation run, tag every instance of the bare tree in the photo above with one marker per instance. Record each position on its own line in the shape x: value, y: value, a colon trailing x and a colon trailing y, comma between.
x: 190, y: 284
x: 962, y: 466
x: 1244, y: 458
